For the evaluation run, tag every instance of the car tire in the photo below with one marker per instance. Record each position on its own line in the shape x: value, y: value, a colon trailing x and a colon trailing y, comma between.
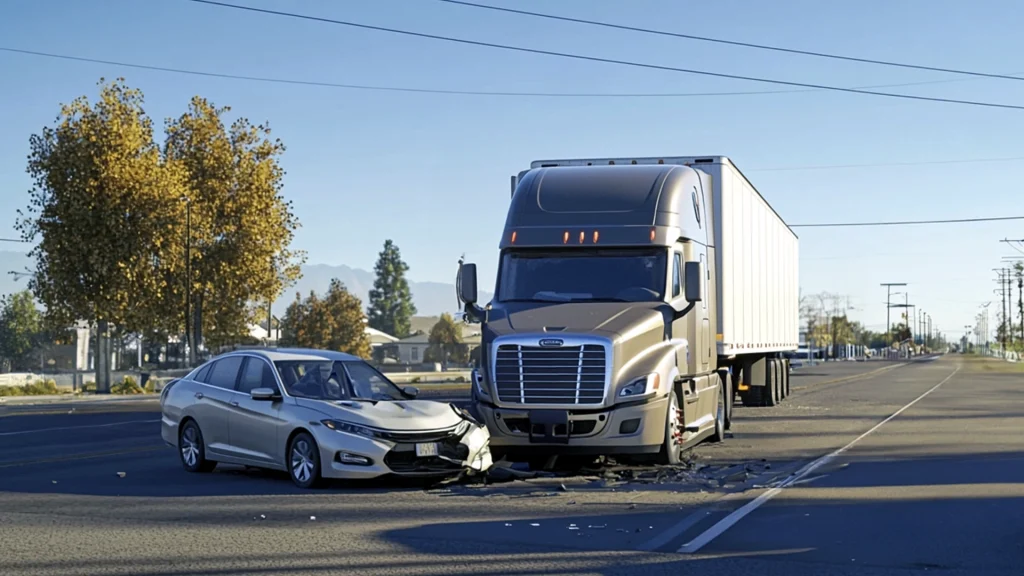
x: 192, y: 448
x: 671, y: 447
x: 304, y: 461
x: 720, y: 411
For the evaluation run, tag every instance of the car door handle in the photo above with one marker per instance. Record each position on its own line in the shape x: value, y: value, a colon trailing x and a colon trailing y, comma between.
x: 199, y: 395
x: 233, y: 403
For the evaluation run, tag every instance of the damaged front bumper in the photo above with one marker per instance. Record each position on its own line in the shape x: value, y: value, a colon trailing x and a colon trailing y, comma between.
x: 464, y: 448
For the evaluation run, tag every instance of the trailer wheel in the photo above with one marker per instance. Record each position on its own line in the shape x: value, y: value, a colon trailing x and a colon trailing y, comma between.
x: 785, y: 377
x: 770, y: 391
x: 780, y: 383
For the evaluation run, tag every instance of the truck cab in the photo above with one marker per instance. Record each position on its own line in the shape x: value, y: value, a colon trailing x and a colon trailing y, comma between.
x: 600, y: 338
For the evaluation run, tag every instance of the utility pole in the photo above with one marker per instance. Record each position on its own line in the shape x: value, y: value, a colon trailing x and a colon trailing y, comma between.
x: 888, y: 296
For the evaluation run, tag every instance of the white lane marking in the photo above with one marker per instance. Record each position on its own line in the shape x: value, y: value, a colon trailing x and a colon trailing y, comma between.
x: 725, y: 523
x: 19, y: 432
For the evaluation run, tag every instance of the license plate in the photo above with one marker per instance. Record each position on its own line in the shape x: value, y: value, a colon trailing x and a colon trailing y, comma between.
x: 429, y: 449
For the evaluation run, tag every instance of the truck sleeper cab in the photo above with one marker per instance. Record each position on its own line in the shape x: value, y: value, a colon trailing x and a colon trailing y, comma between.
x: 600, y: 336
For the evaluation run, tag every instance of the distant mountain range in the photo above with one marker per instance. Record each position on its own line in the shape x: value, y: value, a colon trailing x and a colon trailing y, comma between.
x: 431, y: 298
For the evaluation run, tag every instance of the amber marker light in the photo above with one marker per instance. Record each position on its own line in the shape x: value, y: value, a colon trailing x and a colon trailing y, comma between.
x: 596, y: 236
x: 565, y: 238
x: 513, y: 236
x: 582, y: 236
x: 652, y: 234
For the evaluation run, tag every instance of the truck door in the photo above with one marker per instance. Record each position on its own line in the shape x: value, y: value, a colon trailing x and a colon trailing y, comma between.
x: 683, y: 329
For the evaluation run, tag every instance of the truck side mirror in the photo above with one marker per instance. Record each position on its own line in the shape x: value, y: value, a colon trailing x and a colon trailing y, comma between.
x: 467, y: 283
x: 694, y: 281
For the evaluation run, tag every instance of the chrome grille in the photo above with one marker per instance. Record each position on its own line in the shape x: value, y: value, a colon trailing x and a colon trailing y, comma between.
x: 541, y: 375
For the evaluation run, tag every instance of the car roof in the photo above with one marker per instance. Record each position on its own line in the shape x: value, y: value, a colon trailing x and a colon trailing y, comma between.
x: 279, y: 354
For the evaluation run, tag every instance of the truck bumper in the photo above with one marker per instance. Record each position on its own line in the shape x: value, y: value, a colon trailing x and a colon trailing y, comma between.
x: 629, y: 429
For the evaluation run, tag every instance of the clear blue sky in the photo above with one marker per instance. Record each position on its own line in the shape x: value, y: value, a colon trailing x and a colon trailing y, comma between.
x: 431, y: 172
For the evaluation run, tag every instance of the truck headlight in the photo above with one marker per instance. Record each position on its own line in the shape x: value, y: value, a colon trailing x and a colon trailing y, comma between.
x: 641, y: 386
x: 350, y: 428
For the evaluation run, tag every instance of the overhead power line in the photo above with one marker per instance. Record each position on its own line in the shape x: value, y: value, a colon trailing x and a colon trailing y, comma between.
x: 412, y: 89
x: 731, y: 42
x: 905, y: 222
x: 888, y: 164
x: 629, y: 63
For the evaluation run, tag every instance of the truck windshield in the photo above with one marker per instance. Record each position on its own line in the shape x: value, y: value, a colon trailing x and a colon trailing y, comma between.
x: 629, y: 275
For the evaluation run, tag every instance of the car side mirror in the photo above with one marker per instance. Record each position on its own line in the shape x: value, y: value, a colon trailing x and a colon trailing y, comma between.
x: 411, y: 391
x: 467, y: 283
x: 694, y: 281
x: 263, y: 394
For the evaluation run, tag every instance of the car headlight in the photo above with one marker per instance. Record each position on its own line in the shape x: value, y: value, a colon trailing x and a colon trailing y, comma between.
x: 350, y: 428
x: 641, y: 386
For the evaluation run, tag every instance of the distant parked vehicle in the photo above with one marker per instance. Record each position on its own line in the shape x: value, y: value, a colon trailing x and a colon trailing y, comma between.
x: 316, y: 414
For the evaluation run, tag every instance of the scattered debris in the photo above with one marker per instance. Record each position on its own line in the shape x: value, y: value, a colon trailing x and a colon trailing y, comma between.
x: 312, y: 517
x: 597, y: 526
x: 508, y: 523
x: 53, y: 481
x: 121, y: 474
x: 534, y: 524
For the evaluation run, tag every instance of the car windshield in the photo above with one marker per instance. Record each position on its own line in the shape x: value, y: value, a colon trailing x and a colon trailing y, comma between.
x: 326, y: 380
x: 629, y: 275
x: 315, y: 379
x: 367, y: 383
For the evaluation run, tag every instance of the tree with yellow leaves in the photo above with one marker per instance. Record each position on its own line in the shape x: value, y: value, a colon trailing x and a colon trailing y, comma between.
x: 334, y: 322
x: 104, y: 208
x: 241, y: 226
x: 445, y: 342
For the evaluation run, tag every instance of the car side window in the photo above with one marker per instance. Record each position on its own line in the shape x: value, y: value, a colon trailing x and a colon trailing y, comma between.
x: 204, y: 374
x: 677, y: 280
x: 268, y: 380
x: 225, y: 372
x: 253, y: 375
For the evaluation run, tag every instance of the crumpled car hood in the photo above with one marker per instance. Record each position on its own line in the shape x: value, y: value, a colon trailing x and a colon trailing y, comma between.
x: 411, y: 416
x: 398, y: 415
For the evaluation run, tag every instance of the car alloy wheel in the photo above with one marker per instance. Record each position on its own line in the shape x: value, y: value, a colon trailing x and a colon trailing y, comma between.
x: 192, y: 450
x: 304, y: 461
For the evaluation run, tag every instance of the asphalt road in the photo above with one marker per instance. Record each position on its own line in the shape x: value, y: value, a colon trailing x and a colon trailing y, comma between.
x: 937, y: 487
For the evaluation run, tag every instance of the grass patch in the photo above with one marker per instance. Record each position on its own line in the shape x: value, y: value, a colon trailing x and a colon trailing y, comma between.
x: 991, y: 365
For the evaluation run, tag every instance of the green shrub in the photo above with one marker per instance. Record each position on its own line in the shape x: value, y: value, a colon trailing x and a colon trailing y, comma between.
x: 41, y: 387
x: 126, y: 386
x: 151, y: 386
x: 460, y: 379
x: 89, y: 387
x: 415, y: 380
x: 11, y: 390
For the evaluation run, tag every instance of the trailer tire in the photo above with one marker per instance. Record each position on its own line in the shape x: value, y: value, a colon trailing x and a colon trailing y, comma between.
x: 785, y: 377
x: 770, y: 391
x: 780, y: 383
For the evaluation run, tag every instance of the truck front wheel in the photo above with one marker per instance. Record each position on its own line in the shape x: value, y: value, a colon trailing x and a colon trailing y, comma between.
x: 719, y: 434
x: 672, y: 448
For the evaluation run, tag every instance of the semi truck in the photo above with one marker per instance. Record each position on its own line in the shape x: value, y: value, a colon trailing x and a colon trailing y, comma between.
x: 635, y: 300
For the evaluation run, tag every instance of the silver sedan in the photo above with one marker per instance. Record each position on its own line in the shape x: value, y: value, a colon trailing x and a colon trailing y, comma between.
x: 316, y: 414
